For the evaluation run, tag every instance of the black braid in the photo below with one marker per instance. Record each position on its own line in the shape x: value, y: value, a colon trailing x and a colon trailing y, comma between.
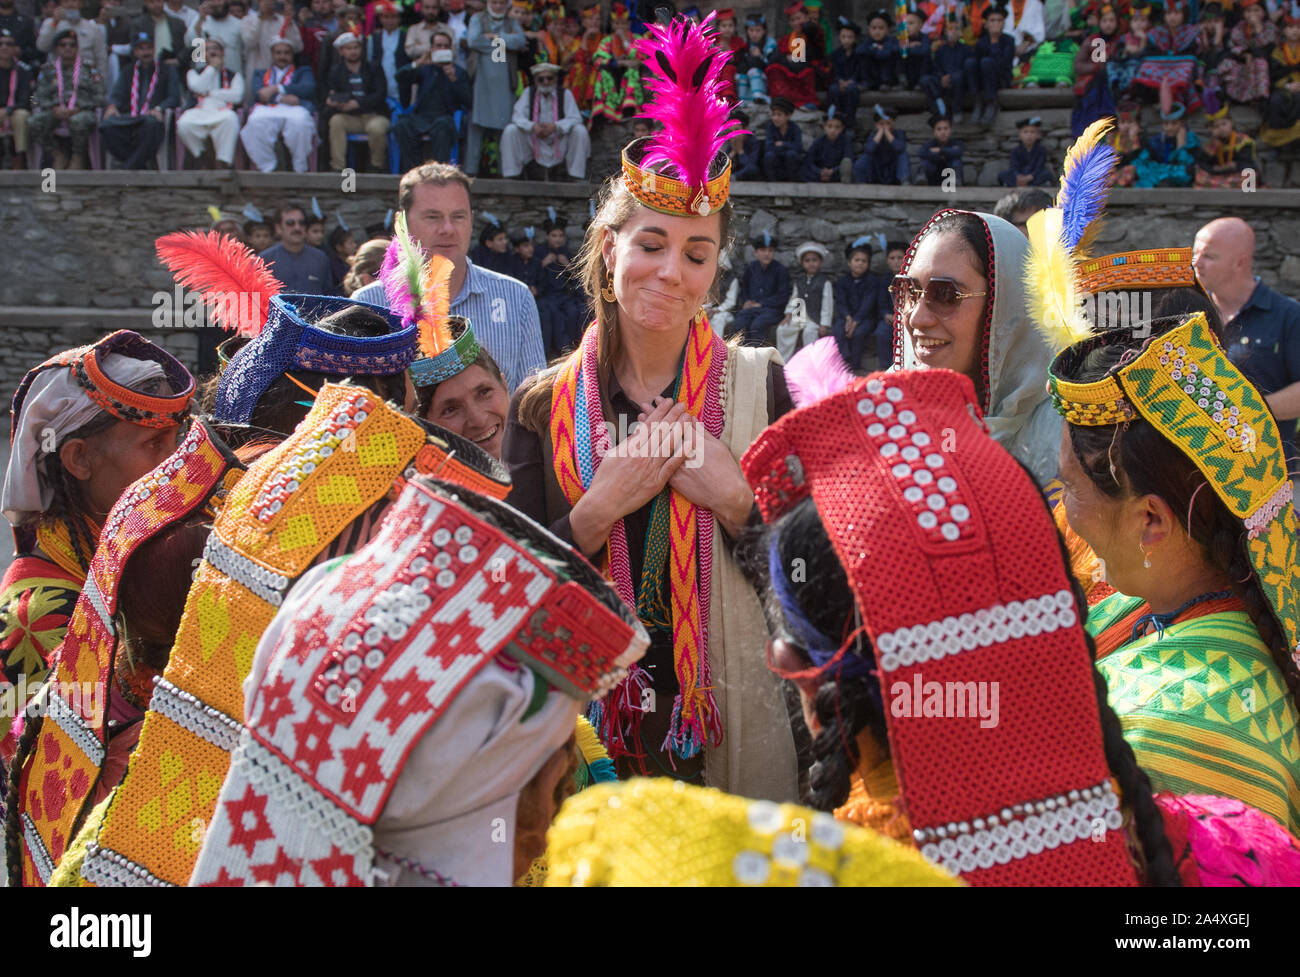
x: 1134, y: 785
x: 13, y: 824
x: 844, y: 709
x: 1229, y: 553
x: 845, y: 706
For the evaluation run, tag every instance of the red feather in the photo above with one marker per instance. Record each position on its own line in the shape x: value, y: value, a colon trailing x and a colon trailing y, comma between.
x: 236, y: 284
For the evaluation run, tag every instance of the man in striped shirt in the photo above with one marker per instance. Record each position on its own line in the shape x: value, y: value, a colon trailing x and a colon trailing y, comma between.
x: 436, y: 200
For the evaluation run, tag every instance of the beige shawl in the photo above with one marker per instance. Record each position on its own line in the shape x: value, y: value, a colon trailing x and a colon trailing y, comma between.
x: 756, y: 757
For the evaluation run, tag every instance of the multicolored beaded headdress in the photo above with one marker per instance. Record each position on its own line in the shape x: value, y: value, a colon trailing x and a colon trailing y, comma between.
x: 245, y: 297
x: 653, y: 831
x: 1181, y: 382
x: 419, y: 290
x: 147, y: 410
x: 685, y: 79
x: 374, y: 659
x: 61, y: 770
x: 292, y: 341
x: 314, y: 494
x: 956, y: 569
x: 1184, y: 385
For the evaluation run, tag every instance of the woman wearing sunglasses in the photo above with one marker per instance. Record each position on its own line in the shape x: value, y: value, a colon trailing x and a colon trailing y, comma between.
x: 960, y: 305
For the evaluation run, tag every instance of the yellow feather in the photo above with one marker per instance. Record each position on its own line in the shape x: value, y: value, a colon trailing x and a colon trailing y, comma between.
x: 1050, y: 283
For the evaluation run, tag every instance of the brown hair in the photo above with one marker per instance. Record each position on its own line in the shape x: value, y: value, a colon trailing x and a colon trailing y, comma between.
x: 368, y: 258
x: 616, y: 206
x: 438, y: 174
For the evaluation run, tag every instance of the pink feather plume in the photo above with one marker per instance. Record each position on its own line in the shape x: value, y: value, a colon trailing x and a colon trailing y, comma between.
x: 685, y: 79
x: 816, y: 372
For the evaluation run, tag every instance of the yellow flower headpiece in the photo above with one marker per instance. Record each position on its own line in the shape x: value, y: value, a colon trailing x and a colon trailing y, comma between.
x: 654, y: 831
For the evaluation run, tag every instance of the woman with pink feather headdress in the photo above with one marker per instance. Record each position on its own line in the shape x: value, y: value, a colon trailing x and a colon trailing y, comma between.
x: 629, y: 447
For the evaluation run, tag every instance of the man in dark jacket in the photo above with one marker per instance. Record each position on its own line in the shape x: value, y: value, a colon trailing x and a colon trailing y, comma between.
x: 135, y: 122
x: 386, y: 46
x: 168, y: 35
x: 15, y: 97
x: 24, y: 31
x: 356, y: 103
x: 443, y: 90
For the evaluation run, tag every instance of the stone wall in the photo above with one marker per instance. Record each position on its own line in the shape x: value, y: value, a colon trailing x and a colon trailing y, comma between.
x: 78, y: 260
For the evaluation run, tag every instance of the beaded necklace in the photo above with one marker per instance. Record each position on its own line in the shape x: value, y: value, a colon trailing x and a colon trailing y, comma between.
x: 580, y: 439
x: 135, y: 88
x: 76, y: 78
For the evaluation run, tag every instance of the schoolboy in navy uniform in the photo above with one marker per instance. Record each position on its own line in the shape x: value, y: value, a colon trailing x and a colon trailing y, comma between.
x: 764, y: 290
x: 857, y: 303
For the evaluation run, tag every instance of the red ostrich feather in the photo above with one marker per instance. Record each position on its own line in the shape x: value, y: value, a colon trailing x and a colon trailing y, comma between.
x: 236, y: 284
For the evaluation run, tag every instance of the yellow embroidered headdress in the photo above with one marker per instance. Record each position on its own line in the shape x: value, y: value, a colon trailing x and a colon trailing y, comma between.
x: 1180, y: 381
x: 658, y: 832
x: 681, y: 169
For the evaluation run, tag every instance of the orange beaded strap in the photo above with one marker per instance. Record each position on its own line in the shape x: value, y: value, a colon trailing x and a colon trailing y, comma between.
x: 349, y: 453
x: 1148, y: 268
x: 60, y: 772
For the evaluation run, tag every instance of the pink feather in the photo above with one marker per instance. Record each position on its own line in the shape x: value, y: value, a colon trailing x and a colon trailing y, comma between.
x: 816, y: 372
x: 685, y: 78
x: 397, y: 283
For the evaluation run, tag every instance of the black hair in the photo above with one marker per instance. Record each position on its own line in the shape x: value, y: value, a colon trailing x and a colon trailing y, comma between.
x: 1145, y: 462
x: 846, y: 707
x: 973, y: 233
x: 489, y: 231
x: 289, y: 208
x: 895, y: 246
x: 249, y: 225
x: 851, y: 249
x: 1032, y: 199
x: 338, y: 236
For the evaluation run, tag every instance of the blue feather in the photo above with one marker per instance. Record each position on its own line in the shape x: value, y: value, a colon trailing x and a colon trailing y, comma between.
x: 1083, y: 191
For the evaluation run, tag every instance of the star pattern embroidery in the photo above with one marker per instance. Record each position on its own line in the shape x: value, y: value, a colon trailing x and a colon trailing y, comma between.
x: 248, y: 822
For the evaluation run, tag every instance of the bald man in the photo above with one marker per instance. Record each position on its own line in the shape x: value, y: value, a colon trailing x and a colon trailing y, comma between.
x: 1261, y: 329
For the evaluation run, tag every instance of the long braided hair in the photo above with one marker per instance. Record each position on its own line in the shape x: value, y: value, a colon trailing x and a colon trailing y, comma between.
x: 844, y: 708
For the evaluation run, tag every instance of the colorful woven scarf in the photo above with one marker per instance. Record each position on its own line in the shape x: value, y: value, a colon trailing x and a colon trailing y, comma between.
x: 580, y: 439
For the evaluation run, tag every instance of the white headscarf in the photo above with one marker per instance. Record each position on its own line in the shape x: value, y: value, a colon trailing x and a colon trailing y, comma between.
x: 452, y: 807
x: 55, y: 406
x: 1020, y: 415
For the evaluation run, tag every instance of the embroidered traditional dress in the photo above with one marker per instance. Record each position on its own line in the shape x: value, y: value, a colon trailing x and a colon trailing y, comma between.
x: 1202, y: 703
x: 1163, y: 162
x: 37, y: 596
x: 581, y: 79
x: 1223, y: 162
x: 617, y: 91
x: 1246, y: 80
x: 1171, y: 59
x: 1282, y: 120
x: 303, y: 502
x: 70, y: 756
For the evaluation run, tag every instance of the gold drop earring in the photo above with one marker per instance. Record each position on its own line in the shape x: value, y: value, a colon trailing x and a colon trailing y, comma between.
x: 607, y: 293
